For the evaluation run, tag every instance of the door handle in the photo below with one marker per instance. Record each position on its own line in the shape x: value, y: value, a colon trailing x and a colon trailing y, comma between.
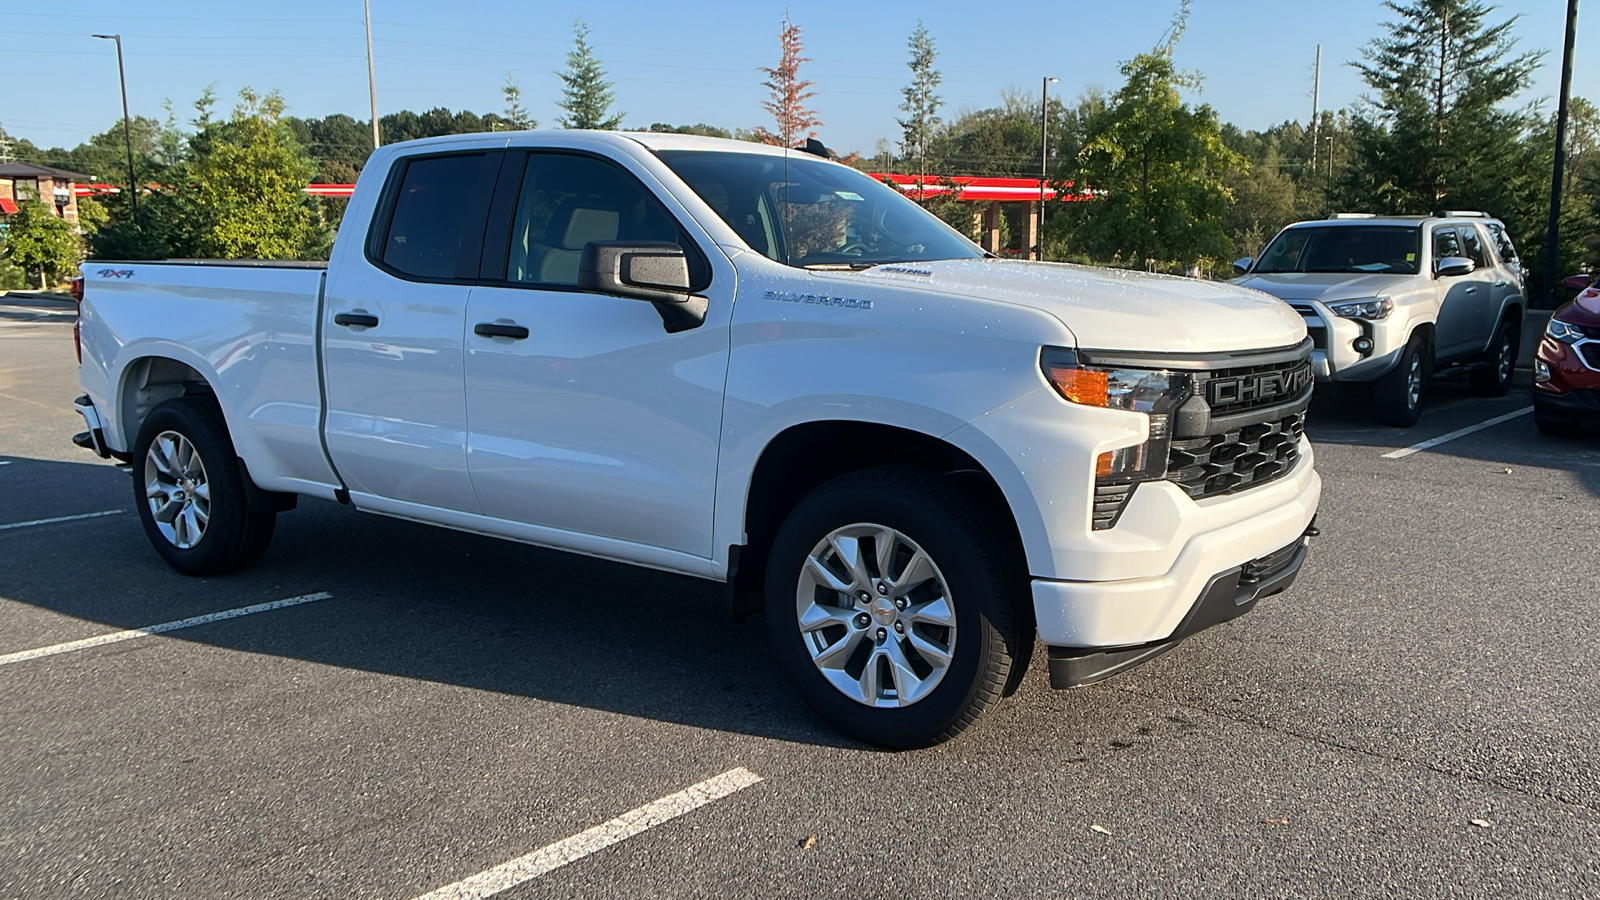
x: 361, y: 320
x: 1470, y: 290
x: 495, y: 329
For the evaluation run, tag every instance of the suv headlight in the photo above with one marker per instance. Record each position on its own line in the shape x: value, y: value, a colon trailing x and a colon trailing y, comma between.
x: 1153, y: 392
x: 1561, y: 331
x: 1374, y: 308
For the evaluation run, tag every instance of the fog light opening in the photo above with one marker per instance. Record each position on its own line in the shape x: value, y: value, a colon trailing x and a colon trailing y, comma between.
x: 1362, y: 345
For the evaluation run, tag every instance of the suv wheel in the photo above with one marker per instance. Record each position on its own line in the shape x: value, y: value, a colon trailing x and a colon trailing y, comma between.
x: 1398, y: 395
x: 1494, y: 379
x: 888, y: 606
x: 190, y: 494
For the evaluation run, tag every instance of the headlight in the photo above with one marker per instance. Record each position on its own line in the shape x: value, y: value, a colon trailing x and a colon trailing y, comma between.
x: 1375, y: 308
x: 1561, y: 331
x: 1154, y: 392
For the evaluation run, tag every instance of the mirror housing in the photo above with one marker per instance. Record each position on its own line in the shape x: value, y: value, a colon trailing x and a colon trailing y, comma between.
x: 1576, y: 282
x: 657, y: 273
x: 1243, y: 264
x: 1452, y: 266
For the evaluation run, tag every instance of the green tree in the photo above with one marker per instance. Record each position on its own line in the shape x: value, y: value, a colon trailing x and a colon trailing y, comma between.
x: 41, y: 242
x: 921, y: 104
x: 516, y: 115
x: 1264, y: 200
x: 586, y: 95
x: 700, y: 129
x: 246, y: 186
x: 1156, y: 166
x: 789, y: 92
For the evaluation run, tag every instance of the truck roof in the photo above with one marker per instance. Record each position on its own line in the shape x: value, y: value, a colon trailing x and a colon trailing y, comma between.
x: 649, y: 139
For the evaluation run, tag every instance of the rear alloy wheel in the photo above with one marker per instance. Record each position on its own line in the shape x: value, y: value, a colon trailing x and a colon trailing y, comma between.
x: 1398, y: 395
x: 889, y: 607
x: 1494, y: 379
x: 190, y: 491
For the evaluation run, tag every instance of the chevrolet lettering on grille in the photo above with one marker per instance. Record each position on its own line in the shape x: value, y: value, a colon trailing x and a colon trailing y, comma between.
x: 1261, y: 387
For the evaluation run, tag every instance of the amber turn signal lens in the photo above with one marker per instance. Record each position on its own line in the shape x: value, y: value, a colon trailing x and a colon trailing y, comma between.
x: 1102, y: 465
x: 1091, y: 387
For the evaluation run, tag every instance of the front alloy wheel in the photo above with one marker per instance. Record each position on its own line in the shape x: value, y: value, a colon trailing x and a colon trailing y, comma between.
x: 876, y: 615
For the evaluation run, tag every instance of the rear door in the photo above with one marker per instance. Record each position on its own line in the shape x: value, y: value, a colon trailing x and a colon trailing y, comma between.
x: 593, y: 420
x: 392, y: 329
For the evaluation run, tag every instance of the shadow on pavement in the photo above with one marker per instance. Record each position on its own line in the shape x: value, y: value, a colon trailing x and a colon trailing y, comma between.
x: 416, y: 601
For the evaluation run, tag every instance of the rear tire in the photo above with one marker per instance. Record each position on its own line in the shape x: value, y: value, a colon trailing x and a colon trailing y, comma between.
x: 906, y: 653
x: 189, y: 490
x: 1494, y: 379
x: 1398, y: 395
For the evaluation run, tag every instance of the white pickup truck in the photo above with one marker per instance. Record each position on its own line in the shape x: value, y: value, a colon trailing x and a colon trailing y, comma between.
x: 745, y: 364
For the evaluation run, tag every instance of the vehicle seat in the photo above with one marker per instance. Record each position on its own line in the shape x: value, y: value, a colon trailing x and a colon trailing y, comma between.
x: 576, y: 222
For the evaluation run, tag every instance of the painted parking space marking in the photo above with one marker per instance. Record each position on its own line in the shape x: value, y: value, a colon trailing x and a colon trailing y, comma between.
x: 1459, y: 432
x: 119, y: 636
x: 93, y: 515
x: 547, y: 859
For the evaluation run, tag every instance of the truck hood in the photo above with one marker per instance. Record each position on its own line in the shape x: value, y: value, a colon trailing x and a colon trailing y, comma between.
x: 1113, y: 309
x: 1328, y: 287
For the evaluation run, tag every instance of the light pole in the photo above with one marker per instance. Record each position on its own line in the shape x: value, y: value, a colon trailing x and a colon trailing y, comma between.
x: 372, y: 80
x: 1553, y: 235
x: 127, y: 128
x: 1044, y: 153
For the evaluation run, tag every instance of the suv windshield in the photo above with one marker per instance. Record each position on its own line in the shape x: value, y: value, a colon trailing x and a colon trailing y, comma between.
x: 802, y: 211
x: 1393, y: 249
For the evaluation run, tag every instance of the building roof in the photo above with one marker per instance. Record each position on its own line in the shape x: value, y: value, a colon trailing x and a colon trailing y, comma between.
x: 29, y: 170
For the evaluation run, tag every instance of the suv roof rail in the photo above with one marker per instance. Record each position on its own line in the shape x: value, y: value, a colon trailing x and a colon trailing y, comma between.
x: 1348, y: 215
x: 1461, y: 214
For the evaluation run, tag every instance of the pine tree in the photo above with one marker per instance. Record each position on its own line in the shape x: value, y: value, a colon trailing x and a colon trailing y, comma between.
x: 586, y: 95
x: 921, y: 105
x: 1435, y: 133
x: 517, y: 118
x: 789, y: 93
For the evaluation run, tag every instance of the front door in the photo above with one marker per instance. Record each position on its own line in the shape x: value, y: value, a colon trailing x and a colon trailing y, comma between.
x: 392, y: 330
x: 597, y: 421
x: 1461, y: 299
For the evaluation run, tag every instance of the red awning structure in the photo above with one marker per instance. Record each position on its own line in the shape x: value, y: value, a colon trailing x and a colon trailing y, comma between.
x: 977, y: 190
x: 7, y: 207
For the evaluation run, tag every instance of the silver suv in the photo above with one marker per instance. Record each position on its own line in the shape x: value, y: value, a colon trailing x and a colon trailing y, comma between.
x: 1389, y: 300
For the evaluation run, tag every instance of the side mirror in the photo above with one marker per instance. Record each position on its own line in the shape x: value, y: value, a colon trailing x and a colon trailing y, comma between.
x: 654, y: 272
x: 1242, y: 265
x: 1451, y: 266
x: 1576, y: 282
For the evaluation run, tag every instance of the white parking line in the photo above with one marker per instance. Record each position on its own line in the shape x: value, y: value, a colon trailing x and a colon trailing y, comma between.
x: 549, y: 858
x: 1459, y: 432
x: 93, y: 515
x: 119, y: 636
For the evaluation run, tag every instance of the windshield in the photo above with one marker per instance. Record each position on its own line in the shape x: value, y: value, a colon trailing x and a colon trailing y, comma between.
x: 1393, y: 249
x: 802, y: 211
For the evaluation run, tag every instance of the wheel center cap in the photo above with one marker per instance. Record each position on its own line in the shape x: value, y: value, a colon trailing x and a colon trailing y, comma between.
x: 883, y: 610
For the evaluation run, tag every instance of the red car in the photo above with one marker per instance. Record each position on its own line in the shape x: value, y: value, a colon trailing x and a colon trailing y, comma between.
x: 1566, y: 372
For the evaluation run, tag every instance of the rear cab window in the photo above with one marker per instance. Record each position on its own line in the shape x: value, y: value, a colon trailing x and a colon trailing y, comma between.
x: 431, y: 226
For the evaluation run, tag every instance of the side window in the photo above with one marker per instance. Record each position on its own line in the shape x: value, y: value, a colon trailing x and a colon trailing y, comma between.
x: 1445, y: 243
x: 437, y: 211
x: 1503, y: 245
x: 1473, y: 246
x: 565, y: 202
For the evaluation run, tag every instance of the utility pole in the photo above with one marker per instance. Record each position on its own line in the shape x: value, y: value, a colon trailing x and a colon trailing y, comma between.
x: 1044, y: 154
x: 127, y: 128
x: 372, y: 80
x: 1554, y: 233
x: 1316, y: 97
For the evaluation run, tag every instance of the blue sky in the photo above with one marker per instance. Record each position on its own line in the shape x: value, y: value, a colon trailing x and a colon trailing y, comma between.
x: 684, y: 63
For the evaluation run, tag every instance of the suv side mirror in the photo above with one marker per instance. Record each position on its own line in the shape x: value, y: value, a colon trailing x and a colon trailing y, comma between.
x: 1576, y: 282
x: 1242, y: 265
x: 1451, y: 266
x: 657, y: 273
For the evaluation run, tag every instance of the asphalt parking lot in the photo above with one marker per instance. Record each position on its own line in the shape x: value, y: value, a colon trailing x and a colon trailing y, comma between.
x: 1418, y: 716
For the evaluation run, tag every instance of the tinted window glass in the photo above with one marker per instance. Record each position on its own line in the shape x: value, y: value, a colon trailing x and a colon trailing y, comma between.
x: 1445, y: 243
x: 1503, y: 245
x: 1472, y: 246
x: 567, y: 201
x: 1342, y: 248
x: 435, y: 210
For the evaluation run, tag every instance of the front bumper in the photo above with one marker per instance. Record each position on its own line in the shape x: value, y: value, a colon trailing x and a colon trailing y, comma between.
x: 1335, y: 357
x: 1226, y: 596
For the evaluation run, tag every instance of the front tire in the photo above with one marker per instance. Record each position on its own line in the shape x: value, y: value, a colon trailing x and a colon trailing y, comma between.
x: 1398, y: 395
x: 189, y: 490
x: 888, y: 605
x: 1494, y: 379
